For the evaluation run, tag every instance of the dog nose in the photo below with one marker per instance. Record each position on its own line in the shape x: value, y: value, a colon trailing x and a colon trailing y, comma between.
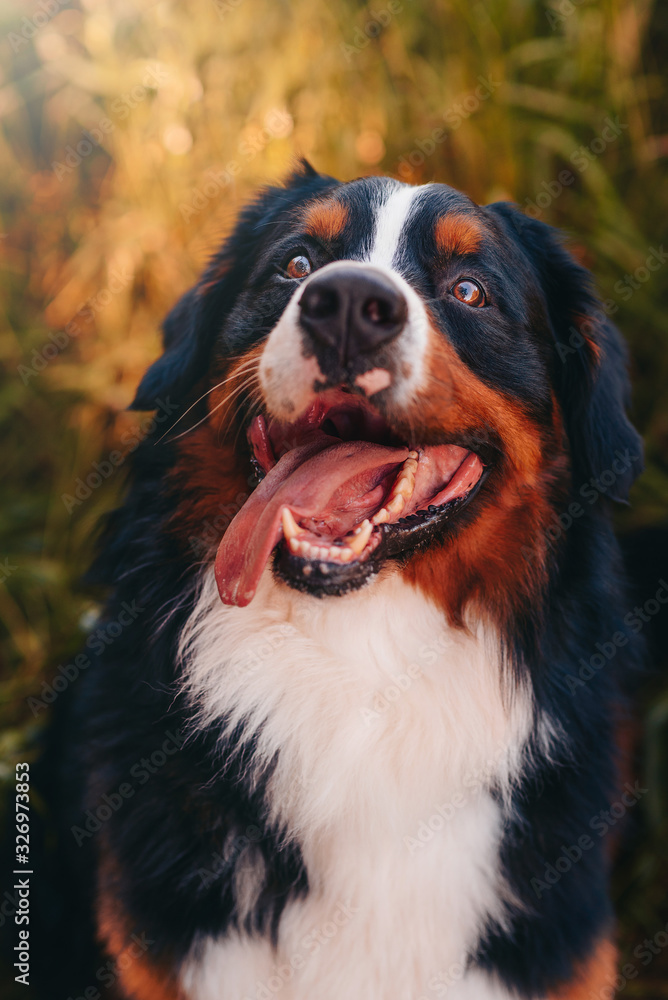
x: 353, y: 311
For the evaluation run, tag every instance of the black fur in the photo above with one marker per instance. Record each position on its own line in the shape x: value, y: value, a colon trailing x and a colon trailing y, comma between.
x: 181, y: 835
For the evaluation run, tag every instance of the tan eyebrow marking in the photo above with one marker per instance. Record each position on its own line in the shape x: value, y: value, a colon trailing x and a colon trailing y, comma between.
x: 326, y: 219
x: 457, y: 234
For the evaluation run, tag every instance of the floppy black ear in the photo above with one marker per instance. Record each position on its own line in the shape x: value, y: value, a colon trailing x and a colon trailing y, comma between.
x: 590, y: 362
x: 191, y: 328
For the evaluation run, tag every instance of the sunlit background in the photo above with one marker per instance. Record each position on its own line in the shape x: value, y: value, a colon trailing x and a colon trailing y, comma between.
x: 130, y: 134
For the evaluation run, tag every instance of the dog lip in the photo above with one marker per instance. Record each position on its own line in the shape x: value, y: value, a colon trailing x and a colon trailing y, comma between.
x: 339, y: 412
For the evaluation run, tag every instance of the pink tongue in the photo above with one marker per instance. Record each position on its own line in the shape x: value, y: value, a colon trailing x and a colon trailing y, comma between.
x: 339, y: 482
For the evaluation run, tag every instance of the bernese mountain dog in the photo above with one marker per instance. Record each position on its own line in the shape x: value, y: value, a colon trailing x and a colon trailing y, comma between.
x: 355, y: 738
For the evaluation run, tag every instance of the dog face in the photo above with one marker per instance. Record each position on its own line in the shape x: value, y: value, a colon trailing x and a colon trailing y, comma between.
x: 410, y: 376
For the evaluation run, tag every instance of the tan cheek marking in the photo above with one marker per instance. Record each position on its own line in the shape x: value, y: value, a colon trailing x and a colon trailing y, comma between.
x: 211, y: 487
x: 458, y: 233
x: 326, y: 220
x: 454, y: 398
x: 595, y: 978
x: 209, y: 479
x: 240, y: 379
x: 499, y: 560
x: 210, y: 476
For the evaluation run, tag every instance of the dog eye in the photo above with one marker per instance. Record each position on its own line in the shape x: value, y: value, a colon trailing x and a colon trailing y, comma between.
x: 298, y: 267
x: 469, y: 291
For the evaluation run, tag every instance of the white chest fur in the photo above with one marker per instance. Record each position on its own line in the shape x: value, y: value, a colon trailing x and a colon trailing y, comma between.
x: 388, y: 729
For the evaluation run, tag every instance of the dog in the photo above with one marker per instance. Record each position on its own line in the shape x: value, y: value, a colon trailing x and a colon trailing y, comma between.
x: 356, y: 741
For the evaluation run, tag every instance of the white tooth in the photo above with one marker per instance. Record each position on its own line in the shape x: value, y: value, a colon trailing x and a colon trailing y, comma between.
x: 358, y: 542
x: 293, y: 544
x: 290, y: 527
x: 381, y: 516
x: 405, y: 486
x: 412, y: 454
x: 304, y: 548
x: 346, y: 554
x: 410, y: 465
x: 396, y: 505
x: 323, y: 552
x: 333, y: 553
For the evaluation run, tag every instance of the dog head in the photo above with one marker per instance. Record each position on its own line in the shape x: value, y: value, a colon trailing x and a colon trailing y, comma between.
x: 408, y: 376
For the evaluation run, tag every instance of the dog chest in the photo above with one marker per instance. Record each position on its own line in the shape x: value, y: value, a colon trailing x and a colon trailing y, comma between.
x: 387, y: 732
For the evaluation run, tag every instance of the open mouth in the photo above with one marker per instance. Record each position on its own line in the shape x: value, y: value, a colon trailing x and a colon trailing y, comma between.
x: 339, y: 494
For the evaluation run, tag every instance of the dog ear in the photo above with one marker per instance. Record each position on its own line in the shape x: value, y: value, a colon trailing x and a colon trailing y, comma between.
x: 590, y: 361
x: 191, y: 328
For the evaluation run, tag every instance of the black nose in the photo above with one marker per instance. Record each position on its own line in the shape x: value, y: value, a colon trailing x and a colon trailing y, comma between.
x: 352, y: 311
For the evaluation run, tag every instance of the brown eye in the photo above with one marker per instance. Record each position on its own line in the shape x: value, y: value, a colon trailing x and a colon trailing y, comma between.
x: 469, y: 291
x: 298, y: 267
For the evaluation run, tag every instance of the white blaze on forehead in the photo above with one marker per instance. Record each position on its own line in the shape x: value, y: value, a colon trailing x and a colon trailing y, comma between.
x: 391, y: 219
x: 288, y: 377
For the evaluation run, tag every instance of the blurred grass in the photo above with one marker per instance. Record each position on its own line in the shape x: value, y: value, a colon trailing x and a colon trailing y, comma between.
x: 178, y: 92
